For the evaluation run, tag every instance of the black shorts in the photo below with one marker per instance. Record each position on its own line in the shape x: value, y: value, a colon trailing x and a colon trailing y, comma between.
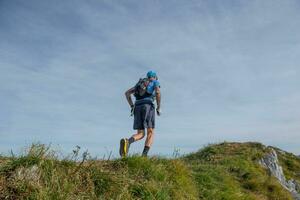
x: 144, y: 116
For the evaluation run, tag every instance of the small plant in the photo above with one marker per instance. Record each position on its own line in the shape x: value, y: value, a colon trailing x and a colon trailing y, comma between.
x: 176, y: 153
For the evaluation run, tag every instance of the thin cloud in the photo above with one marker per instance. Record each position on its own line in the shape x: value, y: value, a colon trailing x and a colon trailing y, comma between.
x: 228, y: 70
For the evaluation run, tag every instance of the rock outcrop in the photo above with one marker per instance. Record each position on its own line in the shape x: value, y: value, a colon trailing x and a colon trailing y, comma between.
x: 270, y: 161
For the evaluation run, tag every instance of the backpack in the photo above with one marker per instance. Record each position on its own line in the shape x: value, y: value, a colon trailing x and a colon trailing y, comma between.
x: 140, y: 89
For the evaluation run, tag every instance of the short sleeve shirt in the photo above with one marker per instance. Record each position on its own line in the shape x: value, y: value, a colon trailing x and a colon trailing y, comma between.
x: 151, y: 87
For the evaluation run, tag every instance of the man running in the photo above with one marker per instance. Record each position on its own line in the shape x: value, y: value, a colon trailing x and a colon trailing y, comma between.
x: 144, y: 112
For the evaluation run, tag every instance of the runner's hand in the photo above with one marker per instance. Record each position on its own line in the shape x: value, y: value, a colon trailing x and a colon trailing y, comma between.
x: 158, y: 111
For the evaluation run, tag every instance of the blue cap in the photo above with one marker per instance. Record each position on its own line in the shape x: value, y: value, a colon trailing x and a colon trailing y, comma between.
x: 151, y: 74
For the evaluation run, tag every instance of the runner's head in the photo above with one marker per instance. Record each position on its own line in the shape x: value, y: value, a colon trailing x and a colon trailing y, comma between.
x: 151, y: 75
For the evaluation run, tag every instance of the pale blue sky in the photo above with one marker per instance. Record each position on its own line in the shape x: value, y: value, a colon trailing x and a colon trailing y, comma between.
x: 229, y: 70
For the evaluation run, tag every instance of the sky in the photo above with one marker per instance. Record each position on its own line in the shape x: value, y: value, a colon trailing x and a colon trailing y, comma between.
x: 229, y: 71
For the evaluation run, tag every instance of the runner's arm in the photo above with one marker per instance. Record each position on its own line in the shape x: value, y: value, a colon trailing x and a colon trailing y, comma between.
x: 128, y: 96
x: 158, y: 97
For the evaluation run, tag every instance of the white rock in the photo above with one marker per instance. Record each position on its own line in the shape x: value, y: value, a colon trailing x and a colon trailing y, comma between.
x: 271, y: 162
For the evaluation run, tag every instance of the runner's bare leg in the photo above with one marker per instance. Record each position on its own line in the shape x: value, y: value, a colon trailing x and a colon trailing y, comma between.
x: 150, y: 135
x: 139, y: 135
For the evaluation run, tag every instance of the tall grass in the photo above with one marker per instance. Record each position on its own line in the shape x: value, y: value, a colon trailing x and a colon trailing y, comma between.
x: 39, y: 174
x: 226, y: 171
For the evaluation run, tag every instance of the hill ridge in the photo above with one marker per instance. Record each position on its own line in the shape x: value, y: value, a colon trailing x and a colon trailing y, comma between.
x: 228, y: 170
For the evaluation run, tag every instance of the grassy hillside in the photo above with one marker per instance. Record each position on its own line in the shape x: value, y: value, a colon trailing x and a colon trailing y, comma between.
x: 231, y: 171
x: 290, y: 164
x: 223, y: 171
x: 39, y: 175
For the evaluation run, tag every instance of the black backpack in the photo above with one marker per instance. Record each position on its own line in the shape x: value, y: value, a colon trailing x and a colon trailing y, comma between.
x: 140, y: 89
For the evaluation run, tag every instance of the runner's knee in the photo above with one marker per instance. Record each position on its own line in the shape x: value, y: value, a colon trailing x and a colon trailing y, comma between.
x: 150, y: 131
x: 141, y: 133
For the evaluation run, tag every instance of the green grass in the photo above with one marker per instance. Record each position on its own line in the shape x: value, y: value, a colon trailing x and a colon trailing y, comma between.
x: 40, y: 175
x: 290, y: 164
x: 216, y: 172
x: 231, y: 171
